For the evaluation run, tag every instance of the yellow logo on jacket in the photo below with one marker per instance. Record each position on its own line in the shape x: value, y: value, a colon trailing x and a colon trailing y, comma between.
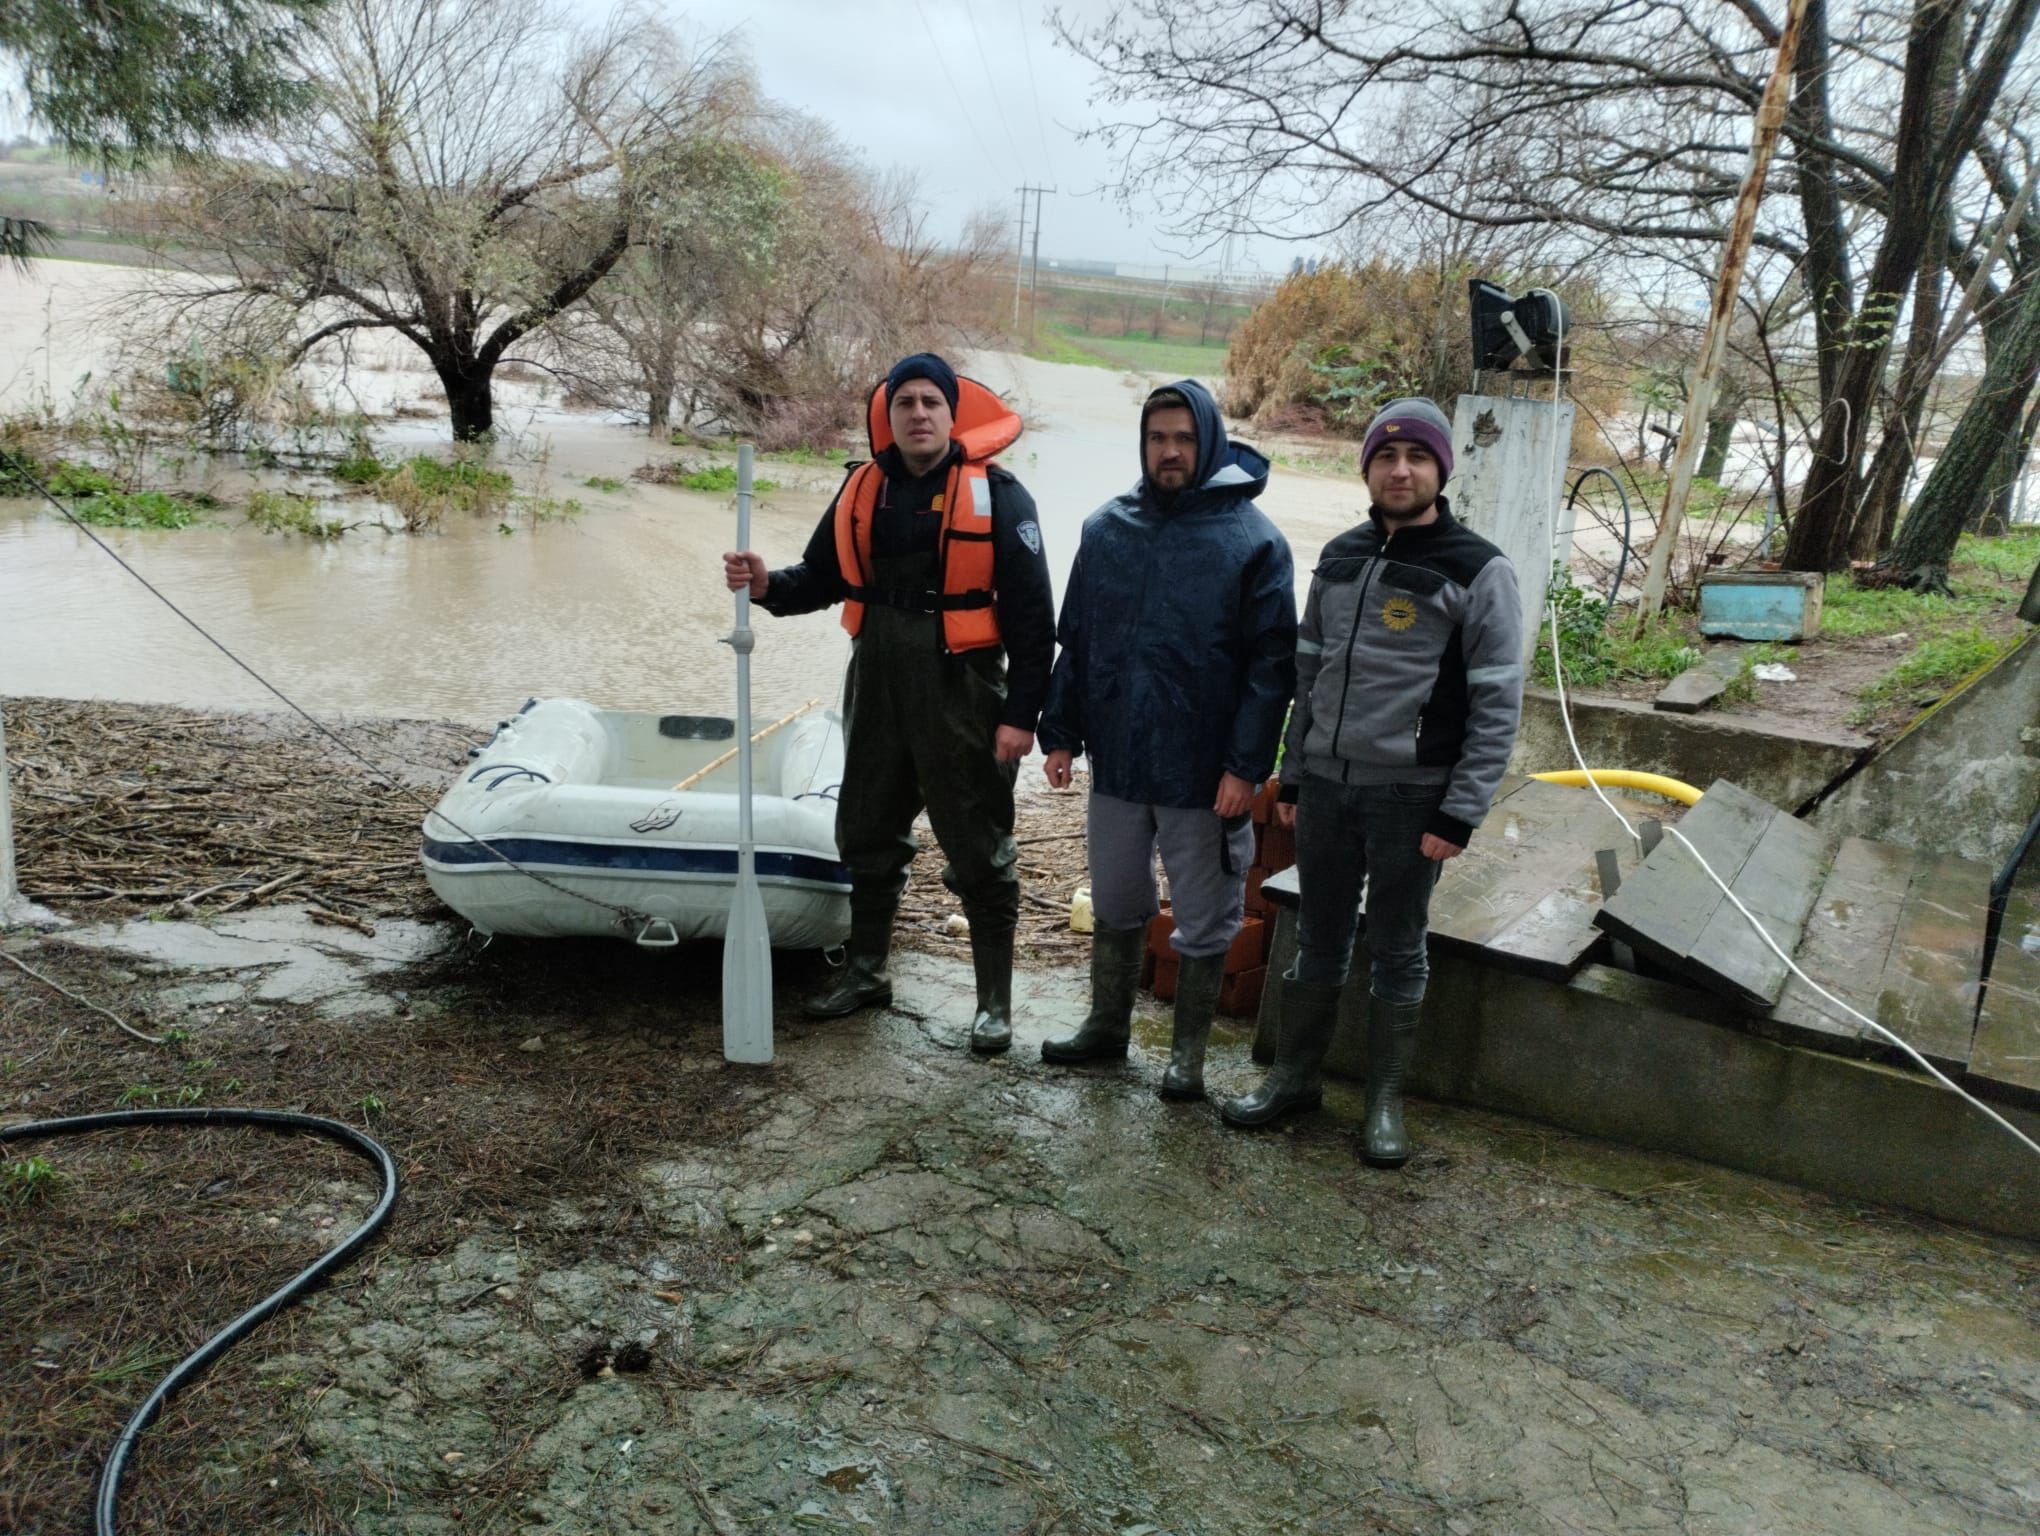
x: 1399, y: 613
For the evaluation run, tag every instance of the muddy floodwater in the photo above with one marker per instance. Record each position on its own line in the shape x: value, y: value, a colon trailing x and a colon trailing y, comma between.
x: 623, y: 605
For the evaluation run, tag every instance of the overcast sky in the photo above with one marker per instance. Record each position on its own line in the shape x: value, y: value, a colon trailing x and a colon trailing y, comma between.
x: 975, y: 96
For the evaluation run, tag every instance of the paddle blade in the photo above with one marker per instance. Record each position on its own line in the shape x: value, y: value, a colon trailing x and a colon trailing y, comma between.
x: 747, y: 977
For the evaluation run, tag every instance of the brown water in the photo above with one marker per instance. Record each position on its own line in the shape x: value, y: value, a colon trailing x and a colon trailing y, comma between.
x: 624, y: 606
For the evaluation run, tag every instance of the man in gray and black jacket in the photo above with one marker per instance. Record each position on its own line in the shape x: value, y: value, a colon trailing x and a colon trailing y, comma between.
x: 1409, y: 687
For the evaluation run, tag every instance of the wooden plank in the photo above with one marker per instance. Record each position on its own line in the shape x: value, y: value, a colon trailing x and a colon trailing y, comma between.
x: 1777, y: 884
x: 1699, y: 686
x: 1664, y: 908
x: 1935, y: 969
x: 2007, y: 1053
x: 1846, y: 945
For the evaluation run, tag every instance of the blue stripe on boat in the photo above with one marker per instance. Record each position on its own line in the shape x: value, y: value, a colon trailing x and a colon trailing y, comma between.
x: 645, y: 858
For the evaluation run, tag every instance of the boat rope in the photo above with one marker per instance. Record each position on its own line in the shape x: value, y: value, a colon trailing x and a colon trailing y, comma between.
x: 626, y: 917
x: 107, y: 1496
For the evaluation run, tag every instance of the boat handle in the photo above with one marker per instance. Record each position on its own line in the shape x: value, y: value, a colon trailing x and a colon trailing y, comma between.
x: 646, y: 941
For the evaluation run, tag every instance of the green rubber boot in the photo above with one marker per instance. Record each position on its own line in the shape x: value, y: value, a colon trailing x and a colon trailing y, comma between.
x: 1115, y: 978
x: 1295, y: 1084
x: 1391, y: 1042
x: 991, y: 1031
x: 1197, y: 985
x: 862, y: 982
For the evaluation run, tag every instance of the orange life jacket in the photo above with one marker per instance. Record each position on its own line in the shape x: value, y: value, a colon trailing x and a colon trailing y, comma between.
x: 985, y: 425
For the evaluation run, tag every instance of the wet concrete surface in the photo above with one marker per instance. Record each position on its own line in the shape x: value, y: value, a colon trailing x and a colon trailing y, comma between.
x: 926, y: 1292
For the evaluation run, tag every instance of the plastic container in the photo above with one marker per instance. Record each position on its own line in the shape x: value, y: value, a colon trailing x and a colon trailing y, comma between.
x: 1081, y: 920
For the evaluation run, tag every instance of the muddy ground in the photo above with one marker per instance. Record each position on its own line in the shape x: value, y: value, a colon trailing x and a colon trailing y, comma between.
x: 885, y: 1286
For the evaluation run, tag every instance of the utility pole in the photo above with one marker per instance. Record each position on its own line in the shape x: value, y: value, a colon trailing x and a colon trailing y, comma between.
x: 1020, y: 258
x: 1034, y: 281
x: 14, y: 910
x: 1700, y: 399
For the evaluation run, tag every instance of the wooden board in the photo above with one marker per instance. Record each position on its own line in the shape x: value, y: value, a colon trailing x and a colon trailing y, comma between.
x: 1932, y: 979
x: 1898, y: 935
x: 1523, y: 894
x: 2007, y: 1053
x: 1671, y: 911
x: 1847, y: 943
x: 1699, y: 686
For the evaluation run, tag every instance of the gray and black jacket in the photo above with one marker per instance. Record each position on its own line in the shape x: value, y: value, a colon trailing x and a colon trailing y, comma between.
x: 1409, y: 667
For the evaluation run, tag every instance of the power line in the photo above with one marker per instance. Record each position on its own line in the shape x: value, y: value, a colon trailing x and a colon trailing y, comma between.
x: 962, y: 106
x: 1034, y: 89
x: 991, y: 82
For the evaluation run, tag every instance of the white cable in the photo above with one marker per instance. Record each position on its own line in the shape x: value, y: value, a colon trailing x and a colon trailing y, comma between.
x: 1565, y: 715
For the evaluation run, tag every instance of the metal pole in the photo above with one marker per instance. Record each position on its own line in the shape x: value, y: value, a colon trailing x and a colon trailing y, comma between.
x: 747, y: 942
x: 1020, y: 259
x: 1770, y: 119
x: 14, y: 910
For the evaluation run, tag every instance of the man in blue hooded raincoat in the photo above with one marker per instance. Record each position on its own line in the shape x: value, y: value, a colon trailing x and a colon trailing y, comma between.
x: 1178, y: 636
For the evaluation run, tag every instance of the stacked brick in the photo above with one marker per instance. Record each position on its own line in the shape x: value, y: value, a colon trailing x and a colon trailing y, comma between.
x: 1246, y: 963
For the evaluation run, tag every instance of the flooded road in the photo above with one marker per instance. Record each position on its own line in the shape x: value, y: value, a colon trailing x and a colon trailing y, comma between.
x: 623, y: 606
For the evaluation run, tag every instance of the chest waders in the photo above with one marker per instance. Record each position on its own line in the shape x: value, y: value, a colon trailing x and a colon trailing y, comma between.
x: 918, y: 729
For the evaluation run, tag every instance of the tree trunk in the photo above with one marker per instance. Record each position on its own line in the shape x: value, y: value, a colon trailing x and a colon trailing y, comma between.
x: 659, y: 411
x: 1926, y: 540
x: 1714, y: 457
x: 1828, y: 280
x: 1819, y: 540
x: 1892, y: 465
x: 470, y: 397
x: 1994, y: 510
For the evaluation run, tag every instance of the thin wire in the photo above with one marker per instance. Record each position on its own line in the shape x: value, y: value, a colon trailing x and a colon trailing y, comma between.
x: 991, y: 84
x: 27, y: 472
x: 83, y: 1002
x: 1034, y: 90
x: 962, y: 106
x: 1565, y: 714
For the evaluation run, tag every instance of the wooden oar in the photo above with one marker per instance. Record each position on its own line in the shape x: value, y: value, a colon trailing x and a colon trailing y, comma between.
x: 703, y: 772
x: 747, y: 942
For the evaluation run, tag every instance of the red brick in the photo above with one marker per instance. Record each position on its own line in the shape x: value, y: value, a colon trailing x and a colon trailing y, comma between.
x: 1240, y: 997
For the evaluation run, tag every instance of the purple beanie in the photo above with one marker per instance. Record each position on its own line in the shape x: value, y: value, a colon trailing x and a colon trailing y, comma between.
x: 1414, y: 420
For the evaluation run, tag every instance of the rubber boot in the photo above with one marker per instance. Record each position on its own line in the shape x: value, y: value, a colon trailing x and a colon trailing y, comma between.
x: 1197, y: 984
x: 1295, y: 1084
x: 991, y: 1031
x: 1391, y: 1042
x: 862, y: 982
x: 1115, y: 978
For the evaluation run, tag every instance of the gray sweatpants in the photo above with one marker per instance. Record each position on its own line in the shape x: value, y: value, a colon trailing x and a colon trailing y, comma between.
x: 1206, y: 860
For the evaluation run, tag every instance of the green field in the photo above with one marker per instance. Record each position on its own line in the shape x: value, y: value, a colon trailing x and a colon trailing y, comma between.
x: 1178, y: 359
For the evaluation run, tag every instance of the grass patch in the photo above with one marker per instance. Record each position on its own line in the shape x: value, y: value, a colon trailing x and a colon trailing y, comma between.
x: 28, y: 1181
x: 143, y: 509
x: 810, y: 457
x: 283, y: 512
x: 2007, y: 559
x: 360, y: 467
x: 697, y: 477
x: 423, y: 490
x: 609, y: 485
x: 1934, y: 666
x: 1595, y: 653
x: 1140, y: 352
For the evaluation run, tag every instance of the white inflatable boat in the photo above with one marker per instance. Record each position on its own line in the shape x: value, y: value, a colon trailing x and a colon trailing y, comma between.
x: 585, y: 798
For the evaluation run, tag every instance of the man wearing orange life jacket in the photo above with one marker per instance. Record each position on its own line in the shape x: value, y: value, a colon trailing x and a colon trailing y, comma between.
x: 935, y: 553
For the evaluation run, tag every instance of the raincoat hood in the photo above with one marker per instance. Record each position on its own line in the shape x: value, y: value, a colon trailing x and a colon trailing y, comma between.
x: 1223, y: 466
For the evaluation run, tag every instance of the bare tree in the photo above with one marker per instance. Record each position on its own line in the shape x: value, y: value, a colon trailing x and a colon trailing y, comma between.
x: 1618, y: 128
x: 471, y: 172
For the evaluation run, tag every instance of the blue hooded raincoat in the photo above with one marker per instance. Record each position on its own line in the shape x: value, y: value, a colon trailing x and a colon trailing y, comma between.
x: 1178, y: 631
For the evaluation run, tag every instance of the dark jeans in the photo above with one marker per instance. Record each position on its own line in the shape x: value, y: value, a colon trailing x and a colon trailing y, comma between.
x: 1347, y: 835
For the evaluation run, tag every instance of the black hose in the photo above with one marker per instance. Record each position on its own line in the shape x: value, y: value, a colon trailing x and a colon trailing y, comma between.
x: 1622, y: 559
x: 194, y: 1363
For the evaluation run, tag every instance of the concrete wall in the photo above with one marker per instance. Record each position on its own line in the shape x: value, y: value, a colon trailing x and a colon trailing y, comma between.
x: 1507, y: 481
x: 1964, y: 778
x: 1787, y: 766
x: 1659, y: 1066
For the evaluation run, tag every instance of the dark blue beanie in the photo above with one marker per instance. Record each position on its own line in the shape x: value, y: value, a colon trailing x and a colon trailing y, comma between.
x: 923, y: 365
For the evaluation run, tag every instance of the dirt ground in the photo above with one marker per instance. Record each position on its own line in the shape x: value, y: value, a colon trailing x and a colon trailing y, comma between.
x: 883, y: 1285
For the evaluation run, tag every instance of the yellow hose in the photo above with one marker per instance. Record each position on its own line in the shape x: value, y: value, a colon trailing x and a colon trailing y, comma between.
x: 1623, y: 778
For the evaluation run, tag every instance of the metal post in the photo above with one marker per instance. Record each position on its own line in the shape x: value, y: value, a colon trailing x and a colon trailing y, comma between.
x: 14, y: 910
x: 1020, y: 259
x: 1700, y: 399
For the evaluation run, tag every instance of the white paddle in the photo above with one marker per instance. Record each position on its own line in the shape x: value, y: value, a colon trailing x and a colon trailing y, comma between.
x: 747, y: 945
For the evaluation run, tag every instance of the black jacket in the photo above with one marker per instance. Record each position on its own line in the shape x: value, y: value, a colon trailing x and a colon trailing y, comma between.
x: 1022, y: 592
x: 1178, y: 632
